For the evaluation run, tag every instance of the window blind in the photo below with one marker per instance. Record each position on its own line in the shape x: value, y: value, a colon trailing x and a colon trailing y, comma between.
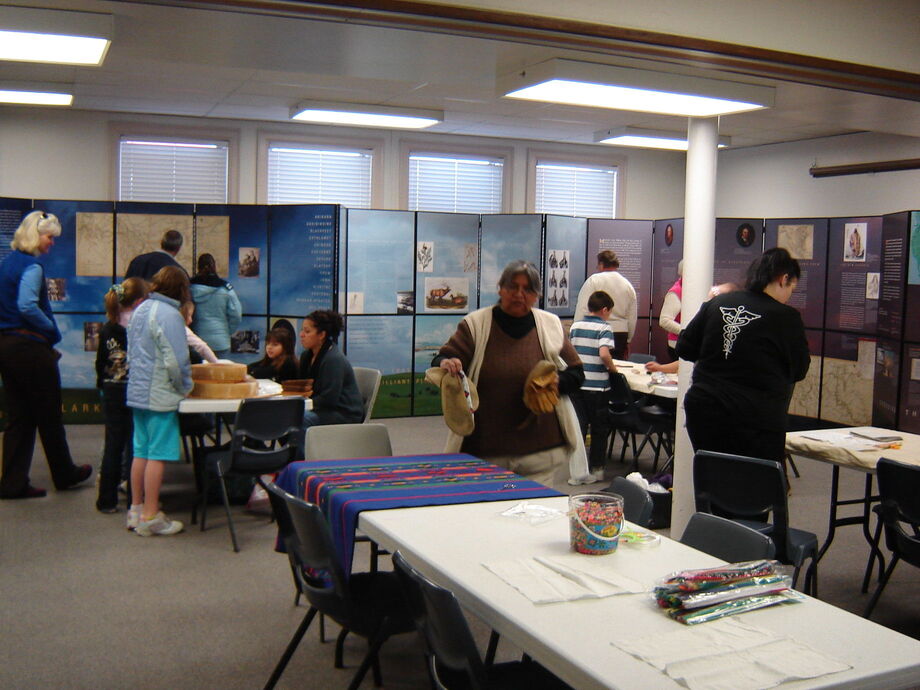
x: 454, y: 184
x: 571, y: 189
x: 184, y: 171
x: 319, y: 176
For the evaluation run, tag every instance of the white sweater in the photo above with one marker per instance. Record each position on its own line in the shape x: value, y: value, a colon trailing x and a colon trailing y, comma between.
x: 623, y: 315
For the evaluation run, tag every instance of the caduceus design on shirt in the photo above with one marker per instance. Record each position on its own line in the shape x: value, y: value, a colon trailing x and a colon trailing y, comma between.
x: 734, y: 318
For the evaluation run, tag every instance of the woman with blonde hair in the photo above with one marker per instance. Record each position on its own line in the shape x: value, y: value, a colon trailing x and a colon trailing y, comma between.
x: 29, y: 364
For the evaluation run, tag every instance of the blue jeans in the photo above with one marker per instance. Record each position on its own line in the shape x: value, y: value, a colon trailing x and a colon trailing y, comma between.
x: 310, y: 418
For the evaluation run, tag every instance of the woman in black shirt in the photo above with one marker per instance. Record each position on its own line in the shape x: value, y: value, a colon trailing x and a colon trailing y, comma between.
x: 750, y: 349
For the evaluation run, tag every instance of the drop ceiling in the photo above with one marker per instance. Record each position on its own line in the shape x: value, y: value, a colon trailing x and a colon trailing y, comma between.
x: 209, y: 63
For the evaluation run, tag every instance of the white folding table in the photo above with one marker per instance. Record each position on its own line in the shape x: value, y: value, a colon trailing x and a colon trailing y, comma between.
x: 572, y: 639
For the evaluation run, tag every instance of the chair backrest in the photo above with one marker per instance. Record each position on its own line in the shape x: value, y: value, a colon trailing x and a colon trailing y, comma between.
x: 641, y: 357
x: 334, y: 441
x: 723, y: 538
x: 324, y: 582
x: 368, y: 384
x: 899, y: 495
x: 286, y: 532
x: 440, y: 620
x: 740, y: 487
x: 277, y: 422
x: 637, y: 503
x: 620, y: 396
x: 276, y: 497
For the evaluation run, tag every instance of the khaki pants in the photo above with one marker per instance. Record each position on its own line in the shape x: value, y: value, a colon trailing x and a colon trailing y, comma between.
x: 548, y: 467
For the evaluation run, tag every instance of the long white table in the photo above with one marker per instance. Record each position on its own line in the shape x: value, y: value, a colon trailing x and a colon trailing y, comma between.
x: 810, y: 445
x: 572, y: 639
x: 211, y: 405
x: 640, y: 380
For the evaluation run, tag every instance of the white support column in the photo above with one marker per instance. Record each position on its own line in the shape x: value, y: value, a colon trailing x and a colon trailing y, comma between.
x: 699, y: 242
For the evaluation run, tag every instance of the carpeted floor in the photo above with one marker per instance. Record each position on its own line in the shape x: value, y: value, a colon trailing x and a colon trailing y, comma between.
x: 86, y: 604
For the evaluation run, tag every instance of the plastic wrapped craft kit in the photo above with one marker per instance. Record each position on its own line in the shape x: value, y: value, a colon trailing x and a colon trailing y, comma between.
x: 698, y: 596
x: 730, y: 608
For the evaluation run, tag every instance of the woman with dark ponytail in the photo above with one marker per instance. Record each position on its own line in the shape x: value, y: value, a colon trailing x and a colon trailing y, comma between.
x: 336, y: 398
x: 750, y: 349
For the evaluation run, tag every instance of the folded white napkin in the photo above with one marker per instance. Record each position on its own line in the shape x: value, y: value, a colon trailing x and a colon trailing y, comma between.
x: 730, y: 655
x: 546, y: 580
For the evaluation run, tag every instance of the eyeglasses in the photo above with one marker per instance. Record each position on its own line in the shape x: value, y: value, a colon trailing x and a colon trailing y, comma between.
x: 512, y: 288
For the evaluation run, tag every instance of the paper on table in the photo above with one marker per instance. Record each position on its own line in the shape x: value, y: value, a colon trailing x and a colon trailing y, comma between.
x: 269, y: 387
x: 546, y: 580
x: 841, y: 439
x: 730, y: 655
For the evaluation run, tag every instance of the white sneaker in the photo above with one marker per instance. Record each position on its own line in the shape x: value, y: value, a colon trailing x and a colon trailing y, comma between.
x: 587, y: 479
x: 598, y: 474
x: 134, y: 516
x: 159, y: 525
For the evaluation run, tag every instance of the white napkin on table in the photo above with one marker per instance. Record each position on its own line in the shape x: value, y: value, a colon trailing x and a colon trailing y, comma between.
x: 546, y: 580
x: 730, y: 655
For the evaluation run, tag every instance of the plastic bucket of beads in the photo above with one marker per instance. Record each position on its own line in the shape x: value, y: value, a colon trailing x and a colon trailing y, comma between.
x: 595, y: 522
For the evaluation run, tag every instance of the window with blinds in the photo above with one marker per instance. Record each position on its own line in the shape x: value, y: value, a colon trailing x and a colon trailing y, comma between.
x: 319, y: 176
x: 442, y: 182
x: 184, y: 171
x: 573, y: 189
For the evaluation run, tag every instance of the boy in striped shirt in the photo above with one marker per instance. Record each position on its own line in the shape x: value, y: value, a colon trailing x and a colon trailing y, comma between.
x: 593, y: 340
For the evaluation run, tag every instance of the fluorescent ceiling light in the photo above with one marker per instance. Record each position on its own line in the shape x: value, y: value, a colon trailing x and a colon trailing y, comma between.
x: 621, y: 88
x: 56, y: 36
x: 35, y: 97
x: 648, y: 138
x: 366, y: 115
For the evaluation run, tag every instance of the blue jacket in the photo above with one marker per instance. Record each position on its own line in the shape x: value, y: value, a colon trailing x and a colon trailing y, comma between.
x: 217, y: 311
x: 24, y: 303
x: 161, y: 375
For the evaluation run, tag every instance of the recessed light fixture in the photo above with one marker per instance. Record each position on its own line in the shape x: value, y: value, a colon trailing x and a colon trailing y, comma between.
x: 34, y: 97
x: 55, y: 36
x: 620, y: 88
x: 648, y: 138
x: 361, y: 115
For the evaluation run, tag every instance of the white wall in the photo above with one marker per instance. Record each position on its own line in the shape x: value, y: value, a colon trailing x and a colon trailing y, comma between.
x: 773, y: 181
x: 70, y: 155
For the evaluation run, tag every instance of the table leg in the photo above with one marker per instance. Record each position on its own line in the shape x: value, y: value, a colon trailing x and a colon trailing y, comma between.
x: 874, y: 541
x: 834, y: 521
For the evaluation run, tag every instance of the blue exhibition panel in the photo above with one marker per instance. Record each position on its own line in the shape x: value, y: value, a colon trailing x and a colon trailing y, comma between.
x: 302, y: 253
x: 247, y: 269
x: 80, y: 267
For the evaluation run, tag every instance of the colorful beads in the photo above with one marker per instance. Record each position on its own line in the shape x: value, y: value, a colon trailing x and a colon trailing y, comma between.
x: 595, y: 522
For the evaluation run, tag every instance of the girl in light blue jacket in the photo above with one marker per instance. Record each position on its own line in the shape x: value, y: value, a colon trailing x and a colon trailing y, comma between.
x: 217, y: 308
x: 161, y: 376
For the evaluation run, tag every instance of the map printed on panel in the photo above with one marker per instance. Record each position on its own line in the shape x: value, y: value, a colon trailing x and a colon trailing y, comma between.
x: 806, y: 394
x: 798, y: 240
x: 94, y: 244
x: 212, y: 236
x: 139, y: 233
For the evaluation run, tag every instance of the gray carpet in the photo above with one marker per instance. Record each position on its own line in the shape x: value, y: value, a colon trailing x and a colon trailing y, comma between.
x: 86, y: 604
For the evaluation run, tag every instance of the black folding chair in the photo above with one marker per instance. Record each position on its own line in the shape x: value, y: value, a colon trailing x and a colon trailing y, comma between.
x: 899, y: 516
x: 264, y: 441
x: 637, y: 502
x: 745, y: 490
x: 726, y: 539
x: 453, y: 659
x: 370, y: 605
